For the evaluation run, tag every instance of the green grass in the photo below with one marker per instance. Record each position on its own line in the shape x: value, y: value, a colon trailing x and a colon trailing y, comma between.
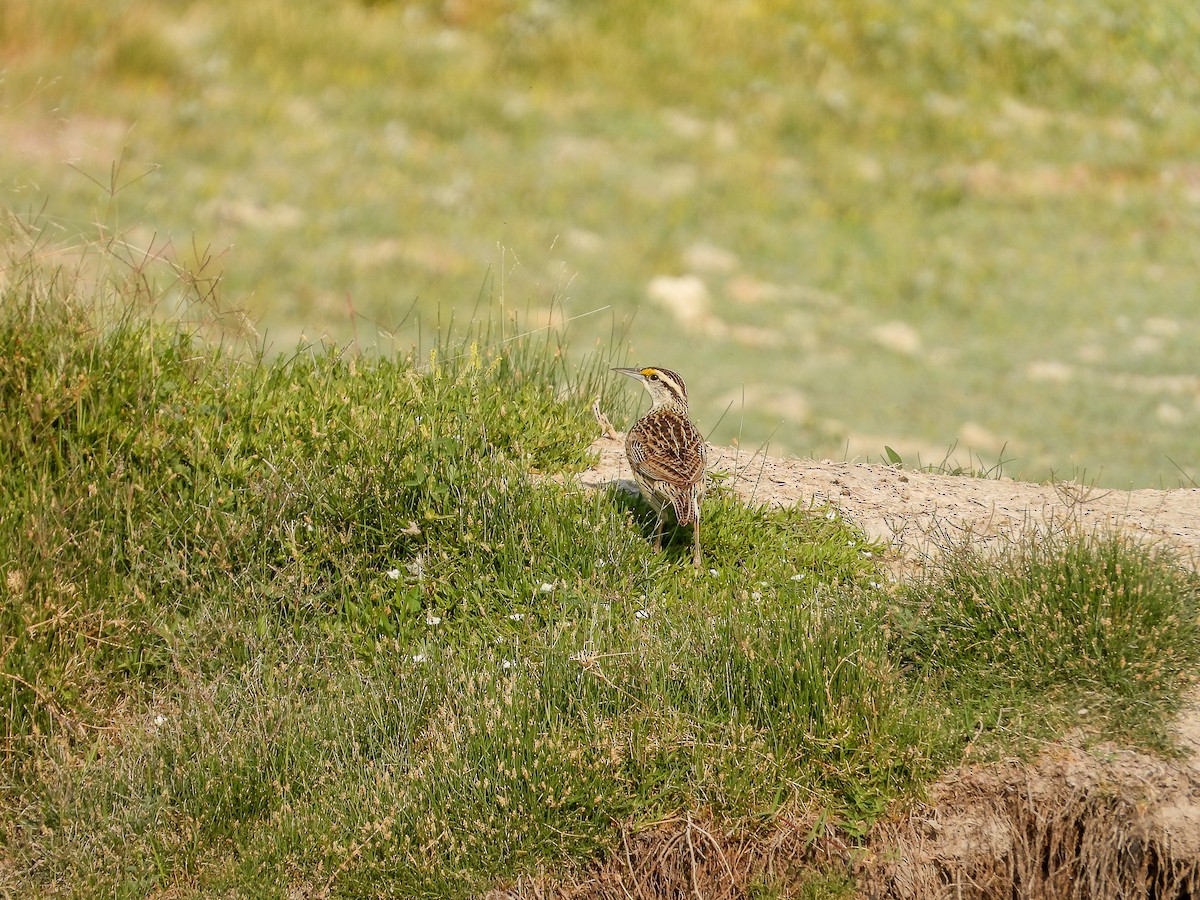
x: 1014, y: 184
x: 1080, y: 625
x: 321, y: 620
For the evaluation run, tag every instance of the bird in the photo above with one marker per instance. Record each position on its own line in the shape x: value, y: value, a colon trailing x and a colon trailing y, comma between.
x: 667, y: 453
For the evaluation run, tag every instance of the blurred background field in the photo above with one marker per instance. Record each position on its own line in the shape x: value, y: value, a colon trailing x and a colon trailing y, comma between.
x: 935, y: 226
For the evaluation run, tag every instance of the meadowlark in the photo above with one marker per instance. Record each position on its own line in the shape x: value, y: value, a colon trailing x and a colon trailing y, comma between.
x: 667, y: 455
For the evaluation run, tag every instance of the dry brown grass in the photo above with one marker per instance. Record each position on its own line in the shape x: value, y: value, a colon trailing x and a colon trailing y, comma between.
x: 689, y: 858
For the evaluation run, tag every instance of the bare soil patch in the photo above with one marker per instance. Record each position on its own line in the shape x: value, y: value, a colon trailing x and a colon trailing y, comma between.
x: 918, y: 513
x: 1073, y: 823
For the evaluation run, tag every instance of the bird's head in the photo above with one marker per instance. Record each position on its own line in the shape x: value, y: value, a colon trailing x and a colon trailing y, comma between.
x: 666, y: 387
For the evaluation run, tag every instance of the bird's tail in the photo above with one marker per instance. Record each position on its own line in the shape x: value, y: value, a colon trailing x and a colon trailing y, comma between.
x: 686, y: 504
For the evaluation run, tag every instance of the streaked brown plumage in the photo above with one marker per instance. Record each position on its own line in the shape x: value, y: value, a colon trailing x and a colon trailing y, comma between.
x: 667, y: 453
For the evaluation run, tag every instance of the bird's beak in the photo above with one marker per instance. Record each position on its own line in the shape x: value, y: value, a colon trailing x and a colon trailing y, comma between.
x: 633, y: 373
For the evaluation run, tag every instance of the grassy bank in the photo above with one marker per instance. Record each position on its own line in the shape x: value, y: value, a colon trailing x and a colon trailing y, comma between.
x: 319, y: 622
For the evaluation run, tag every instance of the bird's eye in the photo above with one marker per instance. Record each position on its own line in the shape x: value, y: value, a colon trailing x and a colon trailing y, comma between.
x: 654, y: 377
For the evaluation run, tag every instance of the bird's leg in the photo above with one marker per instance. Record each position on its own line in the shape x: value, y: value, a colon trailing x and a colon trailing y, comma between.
x: 696, y: 542
x: 658, y: 529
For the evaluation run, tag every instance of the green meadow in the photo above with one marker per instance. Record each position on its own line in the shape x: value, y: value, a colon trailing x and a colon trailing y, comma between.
x: 965, y: 231
x: 303, y: 308
x: 329, y: 624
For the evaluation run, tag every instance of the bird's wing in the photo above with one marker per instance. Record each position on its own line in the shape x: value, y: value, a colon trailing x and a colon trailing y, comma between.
x: 669, y: 449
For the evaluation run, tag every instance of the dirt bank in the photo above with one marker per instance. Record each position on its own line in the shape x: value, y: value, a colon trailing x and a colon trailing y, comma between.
x: 916, y: 513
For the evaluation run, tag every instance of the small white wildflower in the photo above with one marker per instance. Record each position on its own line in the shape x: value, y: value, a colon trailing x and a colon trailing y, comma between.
x: 516, y: 617
x: 547, y: 587
x: 431, y: 619
x: 713, y: 572
x: 392, y: 574
x: 867, y: 554
x: 799, y: 576
x: 507, y: 664
x: 831, y: 515
x: 418, y: 657
x: 161, y: 720
x: 756, y: 596
x: 1081, y: 712
x: 876, y: 585
x: 308, y: 526
x: 849, y: 543
x: 642, y: 614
